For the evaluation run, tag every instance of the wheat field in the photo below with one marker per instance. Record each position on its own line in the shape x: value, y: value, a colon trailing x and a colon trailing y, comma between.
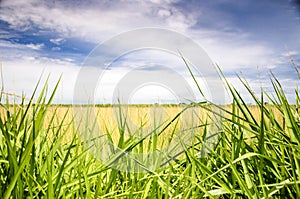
x: 137, y: 116
x: 45, y: 151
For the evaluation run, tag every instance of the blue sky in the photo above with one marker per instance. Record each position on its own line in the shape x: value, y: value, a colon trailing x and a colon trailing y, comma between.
x: 245, y: 37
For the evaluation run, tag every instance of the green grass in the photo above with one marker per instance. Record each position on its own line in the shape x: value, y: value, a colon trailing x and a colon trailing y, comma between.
x: 253, y: 157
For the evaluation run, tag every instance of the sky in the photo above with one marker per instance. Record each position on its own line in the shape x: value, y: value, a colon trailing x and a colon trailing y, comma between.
x: 248, y: 38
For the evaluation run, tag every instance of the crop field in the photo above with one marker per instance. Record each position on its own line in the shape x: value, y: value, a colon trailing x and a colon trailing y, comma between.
x: 255, y: 152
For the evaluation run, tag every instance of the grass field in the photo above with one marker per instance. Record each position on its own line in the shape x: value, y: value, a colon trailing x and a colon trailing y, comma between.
x: 256, y: 154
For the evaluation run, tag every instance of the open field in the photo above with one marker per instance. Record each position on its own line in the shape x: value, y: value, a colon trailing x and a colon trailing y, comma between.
x: 139, y: 116
x: 255, y: 155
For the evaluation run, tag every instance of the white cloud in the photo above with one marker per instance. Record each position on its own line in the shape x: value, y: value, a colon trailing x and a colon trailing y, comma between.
x: 6, y: 35
x: 14, y: 51
x: 56, y: 48
x: 163, y: 1
x: 164, y: 13
x: 35, y: 46
x: 14, y: 46
x: 93, y: 24
x: 21, y: 77
x: 231, y: 48
x: 57, y: 41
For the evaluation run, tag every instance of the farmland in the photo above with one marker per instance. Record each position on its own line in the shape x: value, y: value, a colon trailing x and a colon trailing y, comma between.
x: 256, y: 153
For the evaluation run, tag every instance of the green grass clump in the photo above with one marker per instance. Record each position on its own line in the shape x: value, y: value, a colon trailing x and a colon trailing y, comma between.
x: 254, y: 157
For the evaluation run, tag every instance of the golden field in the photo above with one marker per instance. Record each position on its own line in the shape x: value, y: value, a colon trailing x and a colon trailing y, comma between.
x: 140, y: 119
x: 63, y: 151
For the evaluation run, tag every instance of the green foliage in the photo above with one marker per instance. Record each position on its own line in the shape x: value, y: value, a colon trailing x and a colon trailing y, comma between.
x: 253, y: 157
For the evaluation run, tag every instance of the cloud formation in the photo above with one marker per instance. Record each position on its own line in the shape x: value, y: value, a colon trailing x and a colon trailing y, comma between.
x: 237, y: 35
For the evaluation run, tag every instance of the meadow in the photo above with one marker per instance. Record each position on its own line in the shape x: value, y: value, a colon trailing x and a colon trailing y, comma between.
x: 256, y: 153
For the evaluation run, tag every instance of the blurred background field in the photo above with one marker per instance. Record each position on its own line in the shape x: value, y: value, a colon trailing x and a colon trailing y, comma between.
x: 255, y: 152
